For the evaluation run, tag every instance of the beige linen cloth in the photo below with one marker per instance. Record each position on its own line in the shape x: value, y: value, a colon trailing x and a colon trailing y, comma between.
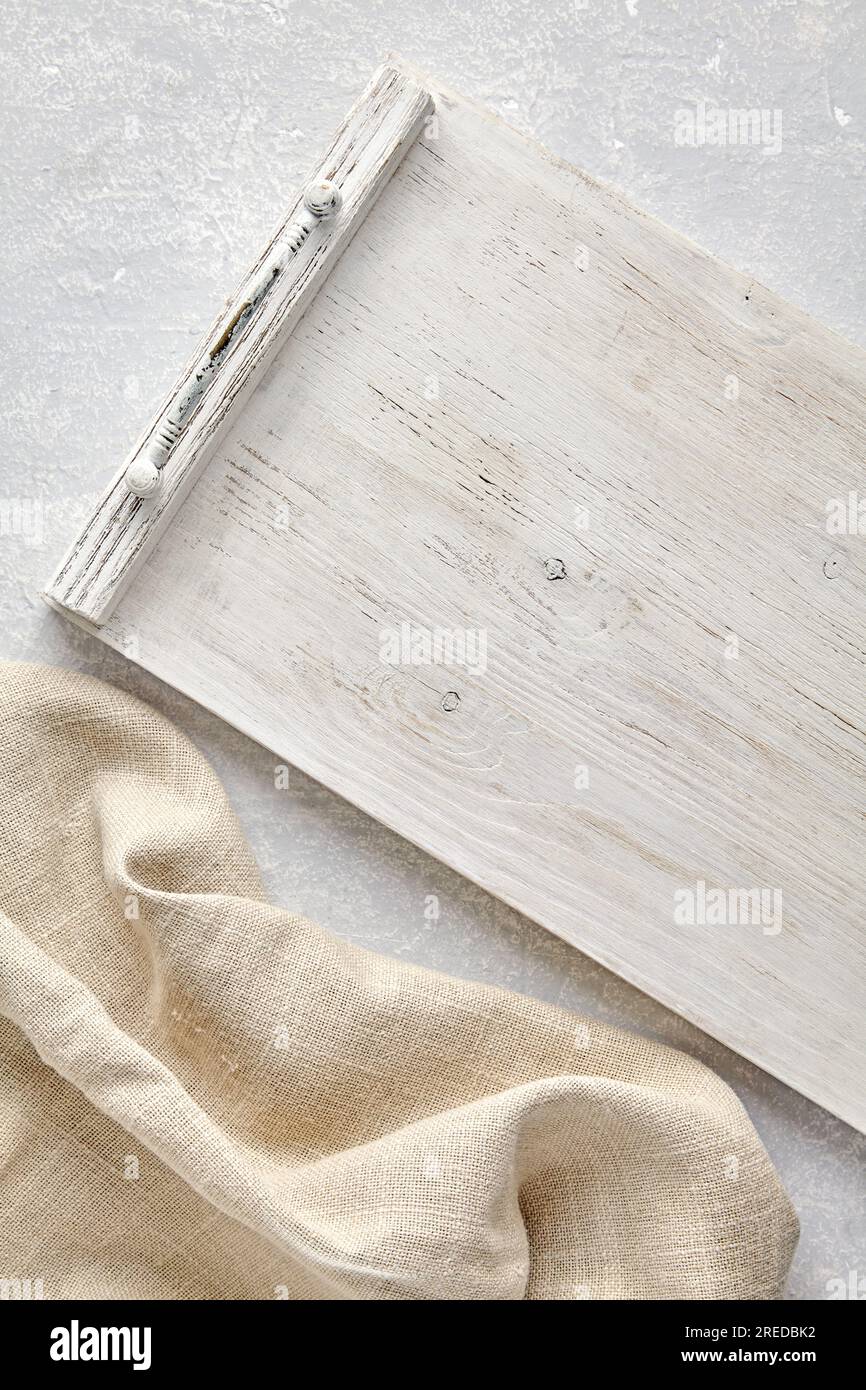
x: 204, y: 1096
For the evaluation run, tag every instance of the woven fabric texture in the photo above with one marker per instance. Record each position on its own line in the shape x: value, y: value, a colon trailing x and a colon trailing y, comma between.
x: 205, y: 1096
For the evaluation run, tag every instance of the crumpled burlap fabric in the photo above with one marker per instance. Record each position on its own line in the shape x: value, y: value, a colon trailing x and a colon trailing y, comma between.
x: 204, y: 1096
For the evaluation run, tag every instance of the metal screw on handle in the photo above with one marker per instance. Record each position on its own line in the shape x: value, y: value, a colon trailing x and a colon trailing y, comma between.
x: 322, y: 200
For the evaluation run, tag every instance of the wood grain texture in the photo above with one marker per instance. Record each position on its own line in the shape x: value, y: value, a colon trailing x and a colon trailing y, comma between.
x: 123, y: 529
x: 521, y: 407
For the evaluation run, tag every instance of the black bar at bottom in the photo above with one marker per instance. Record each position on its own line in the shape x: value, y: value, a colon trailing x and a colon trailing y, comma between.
x: 64, y: 1338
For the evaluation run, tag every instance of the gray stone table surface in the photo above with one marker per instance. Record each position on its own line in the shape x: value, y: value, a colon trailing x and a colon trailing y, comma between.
x: 149, y: 147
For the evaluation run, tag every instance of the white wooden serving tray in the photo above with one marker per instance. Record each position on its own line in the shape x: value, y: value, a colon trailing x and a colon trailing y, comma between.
x: 513, y: 517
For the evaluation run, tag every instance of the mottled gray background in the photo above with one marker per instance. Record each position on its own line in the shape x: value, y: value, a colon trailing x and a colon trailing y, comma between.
x: 148, y: 149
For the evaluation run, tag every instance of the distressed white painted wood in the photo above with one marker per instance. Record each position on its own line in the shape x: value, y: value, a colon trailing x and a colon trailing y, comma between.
x: 171, y: 455
x: 144, y: 474
x: 526, y: 425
